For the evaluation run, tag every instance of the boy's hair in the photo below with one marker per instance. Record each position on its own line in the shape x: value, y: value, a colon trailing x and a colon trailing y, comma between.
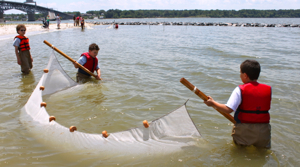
x: 94, y: 46
x: 251, y: 68
x: 19, y: 26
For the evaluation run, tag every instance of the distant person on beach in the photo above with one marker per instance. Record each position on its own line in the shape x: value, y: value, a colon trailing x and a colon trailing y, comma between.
x: 88, y: 60
x: 82, y: 23
x: 251, y: 103
x: 74, y: 18
x: 48, y: 21
x: 58, y: 21
x: 22, y: 49
x: 45, y: 25
x: 80, y: 19
x: 77, y: 21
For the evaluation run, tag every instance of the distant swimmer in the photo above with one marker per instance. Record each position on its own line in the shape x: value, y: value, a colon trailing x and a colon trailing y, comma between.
x: 116, y: 25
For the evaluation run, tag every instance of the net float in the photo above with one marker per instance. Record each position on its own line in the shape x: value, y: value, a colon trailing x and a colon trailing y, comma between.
x: 43, y: 104
x: 51, y: 118
x: 146, y: 124
x: 73, y: 128
x: 104, y: 134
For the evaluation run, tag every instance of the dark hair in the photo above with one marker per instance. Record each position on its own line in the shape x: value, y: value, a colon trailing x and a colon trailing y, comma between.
x: 251, y: 68
x: 93, y: 46
x: 19, y: 26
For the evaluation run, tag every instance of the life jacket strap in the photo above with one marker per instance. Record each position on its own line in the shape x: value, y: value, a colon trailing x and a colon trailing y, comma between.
x: 254, y: 112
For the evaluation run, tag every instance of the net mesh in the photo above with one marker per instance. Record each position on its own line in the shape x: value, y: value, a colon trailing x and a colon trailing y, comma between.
x: 170, y: 133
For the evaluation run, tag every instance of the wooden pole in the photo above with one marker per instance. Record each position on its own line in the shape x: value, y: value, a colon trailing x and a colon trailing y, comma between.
x: 69, y: 58
x: 204, y: 97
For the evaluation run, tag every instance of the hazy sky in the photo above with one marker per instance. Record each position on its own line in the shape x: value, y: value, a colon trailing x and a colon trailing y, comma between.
x: 86, y: 5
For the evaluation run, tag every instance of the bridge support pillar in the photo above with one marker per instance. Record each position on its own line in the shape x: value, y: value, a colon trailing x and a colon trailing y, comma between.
x: 1, y: 16
x: 30, y: 16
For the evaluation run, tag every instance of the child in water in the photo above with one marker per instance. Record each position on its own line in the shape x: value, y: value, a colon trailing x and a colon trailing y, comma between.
x: 88, y: 60
x: 251, y: 103
x: 22, y: 49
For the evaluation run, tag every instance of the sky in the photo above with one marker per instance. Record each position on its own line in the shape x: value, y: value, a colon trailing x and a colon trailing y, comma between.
x: 86, y: 5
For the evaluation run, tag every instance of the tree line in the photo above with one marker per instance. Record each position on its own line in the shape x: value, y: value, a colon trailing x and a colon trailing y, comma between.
x: 116, y: 13
x: 245, y: 13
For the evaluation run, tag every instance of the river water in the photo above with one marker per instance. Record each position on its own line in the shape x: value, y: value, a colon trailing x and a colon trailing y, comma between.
x: 141, y: 67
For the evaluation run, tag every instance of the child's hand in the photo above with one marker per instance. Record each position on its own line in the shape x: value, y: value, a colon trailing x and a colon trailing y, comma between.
x: 75, y: 64
x: 210, y: 101
x: 19, y: 62
x: 98, y: 77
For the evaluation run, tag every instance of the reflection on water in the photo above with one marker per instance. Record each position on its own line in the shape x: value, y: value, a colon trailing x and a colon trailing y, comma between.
x: 141, y: 67
x: 27, y: 83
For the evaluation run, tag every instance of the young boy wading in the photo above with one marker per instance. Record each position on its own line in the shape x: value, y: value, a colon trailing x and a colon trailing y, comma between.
x: 88, y: 60
x: 251, y: 103
x: 22, y: 50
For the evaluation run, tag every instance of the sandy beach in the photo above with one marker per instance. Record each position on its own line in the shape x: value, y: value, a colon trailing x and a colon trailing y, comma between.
x: 10, y: 29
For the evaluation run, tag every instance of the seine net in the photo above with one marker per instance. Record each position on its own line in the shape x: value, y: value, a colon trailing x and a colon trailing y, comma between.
x: 170, y: 133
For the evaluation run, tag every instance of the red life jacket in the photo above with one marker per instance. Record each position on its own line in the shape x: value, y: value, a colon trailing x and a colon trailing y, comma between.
x: 116, y: 26
x: 91, y: 63
x: 255, y: 105
x: 24, y: 44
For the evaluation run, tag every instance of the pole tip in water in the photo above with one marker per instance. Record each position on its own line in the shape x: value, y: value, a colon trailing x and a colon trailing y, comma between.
x: 73, y: 128
x: 146, y: 124
x: 52, y: 118
x: 104, y: 134
x: 42, y: 87
x: 43, y: 104
x: 46, y: 70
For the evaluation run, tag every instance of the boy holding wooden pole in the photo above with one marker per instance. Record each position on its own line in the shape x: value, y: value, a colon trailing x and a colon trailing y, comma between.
x: 251, y: 103
x: 88, y: 60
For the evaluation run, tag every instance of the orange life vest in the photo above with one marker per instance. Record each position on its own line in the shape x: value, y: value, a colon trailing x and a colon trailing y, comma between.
x: 24, y: 44
x: 255, y: 105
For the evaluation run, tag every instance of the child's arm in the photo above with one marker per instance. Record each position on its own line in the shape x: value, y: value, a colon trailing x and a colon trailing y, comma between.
x: 17, y: 54
x: 31, y: 57
x: 217, y: 106
x: 99, y: 74
x: 81, y: 61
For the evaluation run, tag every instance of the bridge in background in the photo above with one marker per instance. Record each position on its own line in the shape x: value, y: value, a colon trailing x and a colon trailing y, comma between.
x: 30, y: 8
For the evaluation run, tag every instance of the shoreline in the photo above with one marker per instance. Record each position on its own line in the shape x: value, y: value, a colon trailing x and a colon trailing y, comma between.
x: 32, y: 28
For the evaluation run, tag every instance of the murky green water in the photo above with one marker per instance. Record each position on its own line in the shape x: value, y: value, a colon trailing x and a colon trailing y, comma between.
x: 141, y: 67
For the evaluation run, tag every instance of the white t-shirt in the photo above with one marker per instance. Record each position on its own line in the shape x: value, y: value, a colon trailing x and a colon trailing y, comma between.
x: 17, y: 42
x: 58, y: 19
x: 235, y: 99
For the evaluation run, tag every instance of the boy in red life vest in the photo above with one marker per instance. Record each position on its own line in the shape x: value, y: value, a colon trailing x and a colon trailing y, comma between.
x: 251, y: 103
x: 22, y: 49
x: 88, y: 60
